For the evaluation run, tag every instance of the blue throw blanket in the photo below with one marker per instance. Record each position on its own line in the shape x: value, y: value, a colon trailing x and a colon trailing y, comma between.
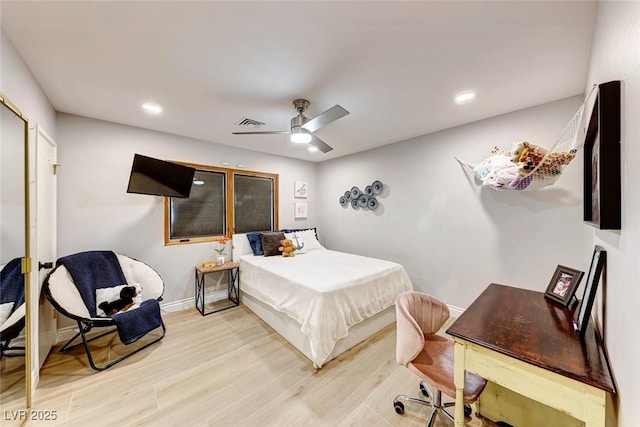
x: 93, y: 270
x: 12, y: 283
x: 134, y: 324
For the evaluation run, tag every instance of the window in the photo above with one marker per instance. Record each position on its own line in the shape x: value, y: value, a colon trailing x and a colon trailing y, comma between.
x: 253, y: 206
x: 222, y: 202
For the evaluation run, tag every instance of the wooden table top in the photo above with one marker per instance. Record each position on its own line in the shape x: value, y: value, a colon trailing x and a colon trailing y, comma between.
x: 525, y: 325
x: 226, y: 266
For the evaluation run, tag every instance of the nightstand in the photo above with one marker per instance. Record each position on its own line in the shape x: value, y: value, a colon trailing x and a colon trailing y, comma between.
x: 233, y: 287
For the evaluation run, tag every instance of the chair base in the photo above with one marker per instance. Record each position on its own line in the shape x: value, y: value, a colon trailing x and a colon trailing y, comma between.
x: 433, y: 401
x: 84, y: 329
x: 7, y: 350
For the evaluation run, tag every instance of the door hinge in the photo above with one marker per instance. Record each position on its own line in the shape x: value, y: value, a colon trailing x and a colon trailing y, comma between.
x: 55, y: 168
x: 25, y: 265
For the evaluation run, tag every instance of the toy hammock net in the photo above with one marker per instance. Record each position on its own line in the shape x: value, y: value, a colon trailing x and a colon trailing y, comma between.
x: 528, y: 166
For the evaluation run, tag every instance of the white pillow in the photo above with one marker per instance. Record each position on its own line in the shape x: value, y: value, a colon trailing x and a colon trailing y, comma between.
x: 297, y: 240
x: 5, y: 311
x: 113, y: 293
x: 308, y: 237
x: 310, y: 240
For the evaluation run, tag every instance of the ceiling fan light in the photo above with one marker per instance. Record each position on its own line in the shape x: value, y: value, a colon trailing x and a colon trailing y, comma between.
x: 300, y: 136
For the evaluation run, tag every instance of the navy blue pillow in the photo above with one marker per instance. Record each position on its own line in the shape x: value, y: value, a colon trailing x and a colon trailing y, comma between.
x: 255, y: 242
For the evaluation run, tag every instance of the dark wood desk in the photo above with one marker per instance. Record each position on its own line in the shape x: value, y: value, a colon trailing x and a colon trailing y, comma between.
x: 526, y: 343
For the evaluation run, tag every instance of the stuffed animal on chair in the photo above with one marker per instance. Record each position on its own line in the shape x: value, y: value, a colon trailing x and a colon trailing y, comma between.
x: 127, y: 294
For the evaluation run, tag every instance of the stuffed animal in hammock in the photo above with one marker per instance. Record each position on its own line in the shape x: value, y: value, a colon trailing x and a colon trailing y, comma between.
x: 555, y: 162
x: 549, y: 166
x: 127, y: 294
x: 521, y: 148
x: 529, y: 159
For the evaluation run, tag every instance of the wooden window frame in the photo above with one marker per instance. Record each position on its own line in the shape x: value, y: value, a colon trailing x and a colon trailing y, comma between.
x: 229, y: 202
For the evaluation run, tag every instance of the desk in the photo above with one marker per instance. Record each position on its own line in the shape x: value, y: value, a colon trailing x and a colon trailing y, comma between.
x: 233, y: 286
x: 526, y: 343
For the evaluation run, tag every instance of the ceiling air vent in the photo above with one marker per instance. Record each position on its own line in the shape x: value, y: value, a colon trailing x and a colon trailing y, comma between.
x: 245, y: 121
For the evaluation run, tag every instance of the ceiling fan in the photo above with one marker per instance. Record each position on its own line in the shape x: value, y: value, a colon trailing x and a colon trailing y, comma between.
x: 302, y: 127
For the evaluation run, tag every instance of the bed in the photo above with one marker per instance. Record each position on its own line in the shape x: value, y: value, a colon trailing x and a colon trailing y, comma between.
x: 323, y: 302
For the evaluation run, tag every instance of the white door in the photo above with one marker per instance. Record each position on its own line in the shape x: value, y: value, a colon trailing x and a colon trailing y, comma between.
x: 46, y: 253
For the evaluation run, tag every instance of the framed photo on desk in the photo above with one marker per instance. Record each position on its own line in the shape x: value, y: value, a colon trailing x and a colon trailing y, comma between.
x: 583, y: 312
x: 563, y: 285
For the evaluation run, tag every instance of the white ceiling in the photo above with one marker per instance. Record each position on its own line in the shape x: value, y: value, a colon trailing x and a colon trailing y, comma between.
x: 396, y: 66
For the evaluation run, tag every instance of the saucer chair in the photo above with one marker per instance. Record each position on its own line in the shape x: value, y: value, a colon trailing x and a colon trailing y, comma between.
x: 12, y: 307
x: 79, y: 302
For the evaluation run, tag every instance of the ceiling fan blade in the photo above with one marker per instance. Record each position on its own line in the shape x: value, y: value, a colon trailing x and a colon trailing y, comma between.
x: 320, y: 144
x: 323, y: 119
x: 261, y: 132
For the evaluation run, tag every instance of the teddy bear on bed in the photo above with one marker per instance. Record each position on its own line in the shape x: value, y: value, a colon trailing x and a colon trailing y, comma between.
x: 127, y: 294
x: 287, y: 248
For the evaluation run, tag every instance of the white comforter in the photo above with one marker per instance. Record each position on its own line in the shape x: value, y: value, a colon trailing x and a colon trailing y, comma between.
x: 325, y: 291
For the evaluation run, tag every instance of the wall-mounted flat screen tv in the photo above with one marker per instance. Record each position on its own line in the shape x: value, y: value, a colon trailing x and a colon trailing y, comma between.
x: 160, y: 178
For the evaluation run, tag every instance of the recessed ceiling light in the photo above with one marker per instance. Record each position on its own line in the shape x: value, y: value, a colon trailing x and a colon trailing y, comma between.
x: 465, y: 97
x: 312, y: 149
x: 152, y: 108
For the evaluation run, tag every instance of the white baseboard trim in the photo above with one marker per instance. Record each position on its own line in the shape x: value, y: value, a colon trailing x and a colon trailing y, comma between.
x: 455, y: 311
x: 172, y: 307
x: 184, y: 304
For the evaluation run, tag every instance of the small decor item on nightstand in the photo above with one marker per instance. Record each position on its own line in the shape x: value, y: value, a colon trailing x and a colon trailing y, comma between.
x: 563, y: 285
x: 583, y: 312
x: 221, y: 247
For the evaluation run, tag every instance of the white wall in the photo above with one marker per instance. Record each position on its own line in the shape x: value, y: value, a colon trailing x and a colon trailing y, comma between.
x: 616, y: 56
x: 19, y: 85
x: 95, y: 212
x: 453, y: 237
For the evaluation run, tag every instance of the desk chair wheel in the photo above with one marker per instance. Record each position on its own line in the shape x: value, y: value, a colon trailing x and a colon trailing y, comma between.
x: 424, y: 390
x: 467, y: 410
x: 399, y: 407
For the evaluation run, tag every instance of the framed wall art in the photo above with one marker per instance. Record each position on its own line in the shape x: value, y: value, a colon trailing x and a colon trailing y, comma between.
x: 583, y: 312
x: 602, y: 207
x: 300, y: 210
x: 563, y: 285
x: 300, y: 189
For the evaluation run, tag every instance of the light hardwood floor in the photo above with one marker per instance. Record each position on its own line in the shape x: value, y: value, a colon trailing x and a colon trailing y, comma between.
x: 229, y: 369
